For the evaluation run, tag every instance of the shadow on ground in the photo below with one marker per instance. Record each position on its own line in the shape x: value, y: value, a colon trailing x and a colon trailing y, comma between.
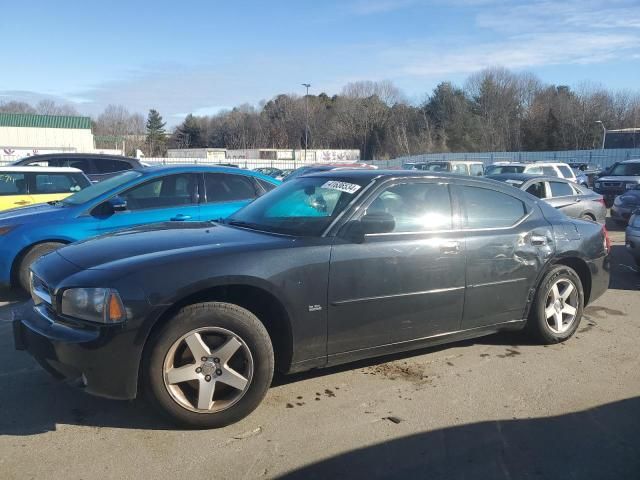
x: 599, y: 443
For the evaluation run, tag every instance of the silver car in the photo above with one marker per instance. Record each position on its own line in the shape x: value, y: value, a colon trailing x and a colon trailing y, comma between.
x: 570, y: 198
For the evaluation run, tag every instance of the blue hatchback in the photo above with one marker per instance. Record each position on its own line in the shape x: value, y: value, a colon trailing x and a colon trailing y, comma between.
x: 136, y: 197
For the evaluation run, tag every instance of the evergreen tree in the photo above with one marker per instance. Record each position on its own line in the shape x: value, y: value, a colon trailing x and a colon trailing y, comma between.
x: 156, y: 135
x: 189, y: 134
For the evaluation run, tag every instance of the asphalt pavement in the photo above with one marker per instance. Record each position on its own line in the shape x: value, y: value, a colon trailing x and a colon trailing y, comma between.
x: 495, y: 407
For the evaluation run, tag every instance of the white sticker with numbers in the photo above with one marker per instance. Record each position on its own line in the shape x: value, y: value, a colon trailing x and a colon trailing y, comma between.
x: 342, y: 186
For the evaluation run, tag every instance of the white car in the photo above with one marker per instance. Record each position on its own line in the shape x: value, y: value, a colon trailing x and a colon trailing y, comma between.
x: 548, y: 169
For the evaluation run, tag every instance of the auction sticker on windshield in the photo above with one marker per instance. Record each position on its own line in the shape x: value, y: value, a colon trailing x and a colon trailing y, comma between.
x: 342, y: 186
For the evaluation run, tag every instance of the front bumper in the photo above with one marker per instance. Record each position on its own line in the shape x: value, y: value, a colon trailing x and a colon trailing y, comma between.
x: 102, y: 359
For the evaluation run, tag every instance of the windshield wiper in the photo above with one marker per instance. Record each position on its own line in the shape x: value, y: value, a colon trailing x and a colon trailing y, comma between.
x: 243, y: 224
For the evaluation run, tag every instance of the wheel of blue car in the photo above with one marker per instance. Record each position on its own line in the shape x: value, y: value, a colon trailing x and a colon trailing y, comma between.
x: 30, y: 256
x: 209, y: 366
x: 558, y: 304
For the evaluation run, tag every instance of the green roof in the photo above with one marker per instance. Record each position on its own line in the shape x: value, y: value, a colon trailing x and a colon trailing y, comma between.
x: 43, y: 121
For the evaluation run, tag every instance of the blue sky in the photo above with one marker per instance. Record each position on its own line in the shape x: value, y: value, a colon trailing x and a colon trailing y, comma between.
x: 202, y: 56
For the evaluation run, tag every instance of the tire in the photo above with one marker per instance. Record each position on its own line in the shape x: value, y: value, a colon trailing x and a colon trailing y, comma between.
x: 178, y: 393
x: 543, y: 327
x: 28, y: 259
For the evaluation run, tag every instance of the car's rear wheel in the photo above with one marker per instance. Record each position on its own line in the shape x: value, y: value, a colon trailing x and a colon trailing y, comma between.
x: 209, y: 366
x: 558, y: 305
x: 31, y: 255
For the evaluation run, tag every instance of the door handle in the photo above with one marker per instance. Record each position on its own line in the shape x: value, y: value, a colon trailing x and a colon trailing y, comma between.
x: 450, y: 247
x: 538, y: 240
x: 578, y: 199
x: 180, y: 218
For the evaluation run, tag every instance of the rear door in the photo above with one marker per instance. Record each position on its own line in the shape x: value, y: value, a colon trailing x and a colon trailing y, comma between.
x: 506, y: 242
x: 563, y: 196
x: 162, y: 199
x: 225, y: 193
x: 402, y: 285
x: 50, y: 186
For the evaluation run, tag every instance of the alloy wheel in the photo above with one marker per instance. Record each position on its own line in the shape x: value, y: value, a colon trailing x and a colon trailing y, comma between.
x: 208, y: 370
x: 561, y: 306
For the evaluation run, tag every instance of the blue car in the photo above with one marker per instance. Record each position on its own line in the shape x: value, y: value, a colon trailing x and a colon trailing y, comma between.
x: 136, y: 197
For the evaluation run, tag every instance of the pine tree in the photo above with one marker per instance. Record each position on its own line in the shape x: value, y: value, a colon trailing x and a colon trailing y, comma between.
x: 156, y: 136
x: 189, y: 134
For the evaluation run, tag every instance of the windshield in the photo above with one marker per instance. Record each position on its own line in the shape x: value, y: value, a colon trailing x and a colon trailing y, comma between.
x: 303, y: 207
x: 98, y: 189
x: 626, y: 169
x: 498, y: 169
x: 437, y: 167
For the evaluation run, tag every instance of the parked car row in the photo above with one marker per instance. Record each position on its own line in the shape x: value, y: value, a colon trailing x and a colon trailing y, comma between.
x: 242, y: 278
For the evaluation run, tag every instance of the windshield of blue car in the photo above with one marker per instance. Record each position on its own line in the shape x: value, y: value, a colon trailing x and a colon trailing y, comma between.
x: 98, y: 189
x: 305, y: 206
x: 626, y: 170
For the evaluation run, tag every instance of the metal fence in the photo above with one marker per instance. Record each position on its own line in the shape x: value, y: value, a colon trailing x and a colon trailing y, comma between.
x: 248, y: 163
x: 601, y: 158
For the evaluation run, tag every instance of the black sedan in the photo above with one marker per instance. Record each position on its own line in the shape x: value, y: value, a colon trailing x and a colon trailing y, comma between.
x: 625, y: 205
x: 574, y: 200
x: 326, y: 269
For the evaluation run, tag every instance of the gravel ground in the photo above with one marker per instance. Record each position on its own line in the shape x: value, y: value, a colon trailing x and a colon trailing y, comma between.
x: 496, y: 407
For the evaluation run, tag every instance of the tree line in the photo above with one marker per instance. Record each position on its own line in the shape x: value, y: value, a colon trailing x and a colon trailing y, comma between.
x: 494, y: 110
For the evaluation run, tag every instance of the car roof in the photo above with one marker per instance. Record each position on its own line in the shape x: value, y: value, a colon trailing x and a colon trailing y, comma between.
x: 79, y: 155
x: 633, y: 160
x: 522, y: 177
x: 176, y: 168
x: 367, y: 174
x: 30, y: 168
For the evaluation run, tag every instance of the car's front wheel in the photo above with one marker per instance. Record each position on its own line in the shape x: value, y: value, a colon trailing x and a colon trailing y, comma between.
x: 558, y: 304
x: 209, y: 366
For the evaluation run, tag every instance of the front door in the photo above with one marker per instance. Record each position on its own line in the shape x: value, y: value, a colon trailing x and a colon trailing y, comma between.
x: 163, y: 199
x: 403, y: 285
x: 14, y: 191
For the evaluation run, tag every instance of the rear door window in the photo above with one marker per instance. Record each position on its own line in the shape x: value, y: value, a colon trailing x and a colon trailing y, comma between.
x: 537, y: 189
x: 108, y: 165
x: 485, y: 208
x: 561, y: 189
x: 477, y: 170
x: 225, y: 187
x: 566, y: 171
x: 459, y: 168
x: 63, y: 182
x: 83, y: 164
x: 550, y: 171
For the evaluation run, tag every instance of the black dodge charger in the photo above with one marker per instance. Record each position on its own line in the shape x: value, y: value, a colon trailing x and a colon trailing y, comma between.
x: 326, y: 269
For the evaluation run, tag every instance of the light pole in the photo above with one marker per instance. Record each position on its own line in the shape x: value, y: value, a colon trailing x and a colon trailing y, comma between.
x: 604, y: 132
x: 306, y: 119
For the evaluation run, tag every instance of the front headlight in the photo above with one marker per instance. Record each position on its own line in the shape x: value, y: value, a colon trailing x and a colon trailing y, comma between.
x: 630, y: 186
x: 101, y: 305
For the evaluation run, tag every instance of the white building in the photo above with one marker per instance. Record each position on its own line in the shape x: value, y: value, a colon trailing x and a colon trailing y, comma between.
x: 23, y: 135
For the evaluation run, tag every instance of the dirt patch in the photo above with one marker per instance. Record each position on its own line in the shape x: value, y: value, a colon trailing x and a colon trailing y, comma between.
x: 510, y: 353
x: 395, y: 371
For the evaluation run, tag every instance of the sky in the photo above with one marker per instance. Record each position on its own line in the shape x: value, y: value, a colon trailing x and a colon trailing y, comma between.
x: 205, y: 56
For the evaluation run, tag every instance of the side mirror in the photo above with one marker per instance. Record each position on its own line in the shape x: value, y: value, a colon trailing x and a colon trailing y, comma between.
x: 370, y: 224
x: 108, y: 208
x: 118, y: 204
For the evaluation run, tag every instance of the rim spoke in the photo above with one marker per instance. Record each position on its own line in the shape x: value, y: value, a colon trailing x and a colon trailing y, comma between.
x: 182, y: 374
x: 550, y: 311
x: 232, y: 378
x: 555, y: 293
x: 558, y: 320
x: 226, y: 351
x: 568, y: 309
x: 567, y: 291
x: 205, y: 394
x: 197, y: 346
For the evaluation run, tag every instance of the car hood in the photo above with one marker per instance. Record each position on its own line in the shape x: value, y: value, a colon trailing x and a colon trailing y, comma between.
x: 619, y: 178
x: 39, y: 212
x: 162, y: 242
